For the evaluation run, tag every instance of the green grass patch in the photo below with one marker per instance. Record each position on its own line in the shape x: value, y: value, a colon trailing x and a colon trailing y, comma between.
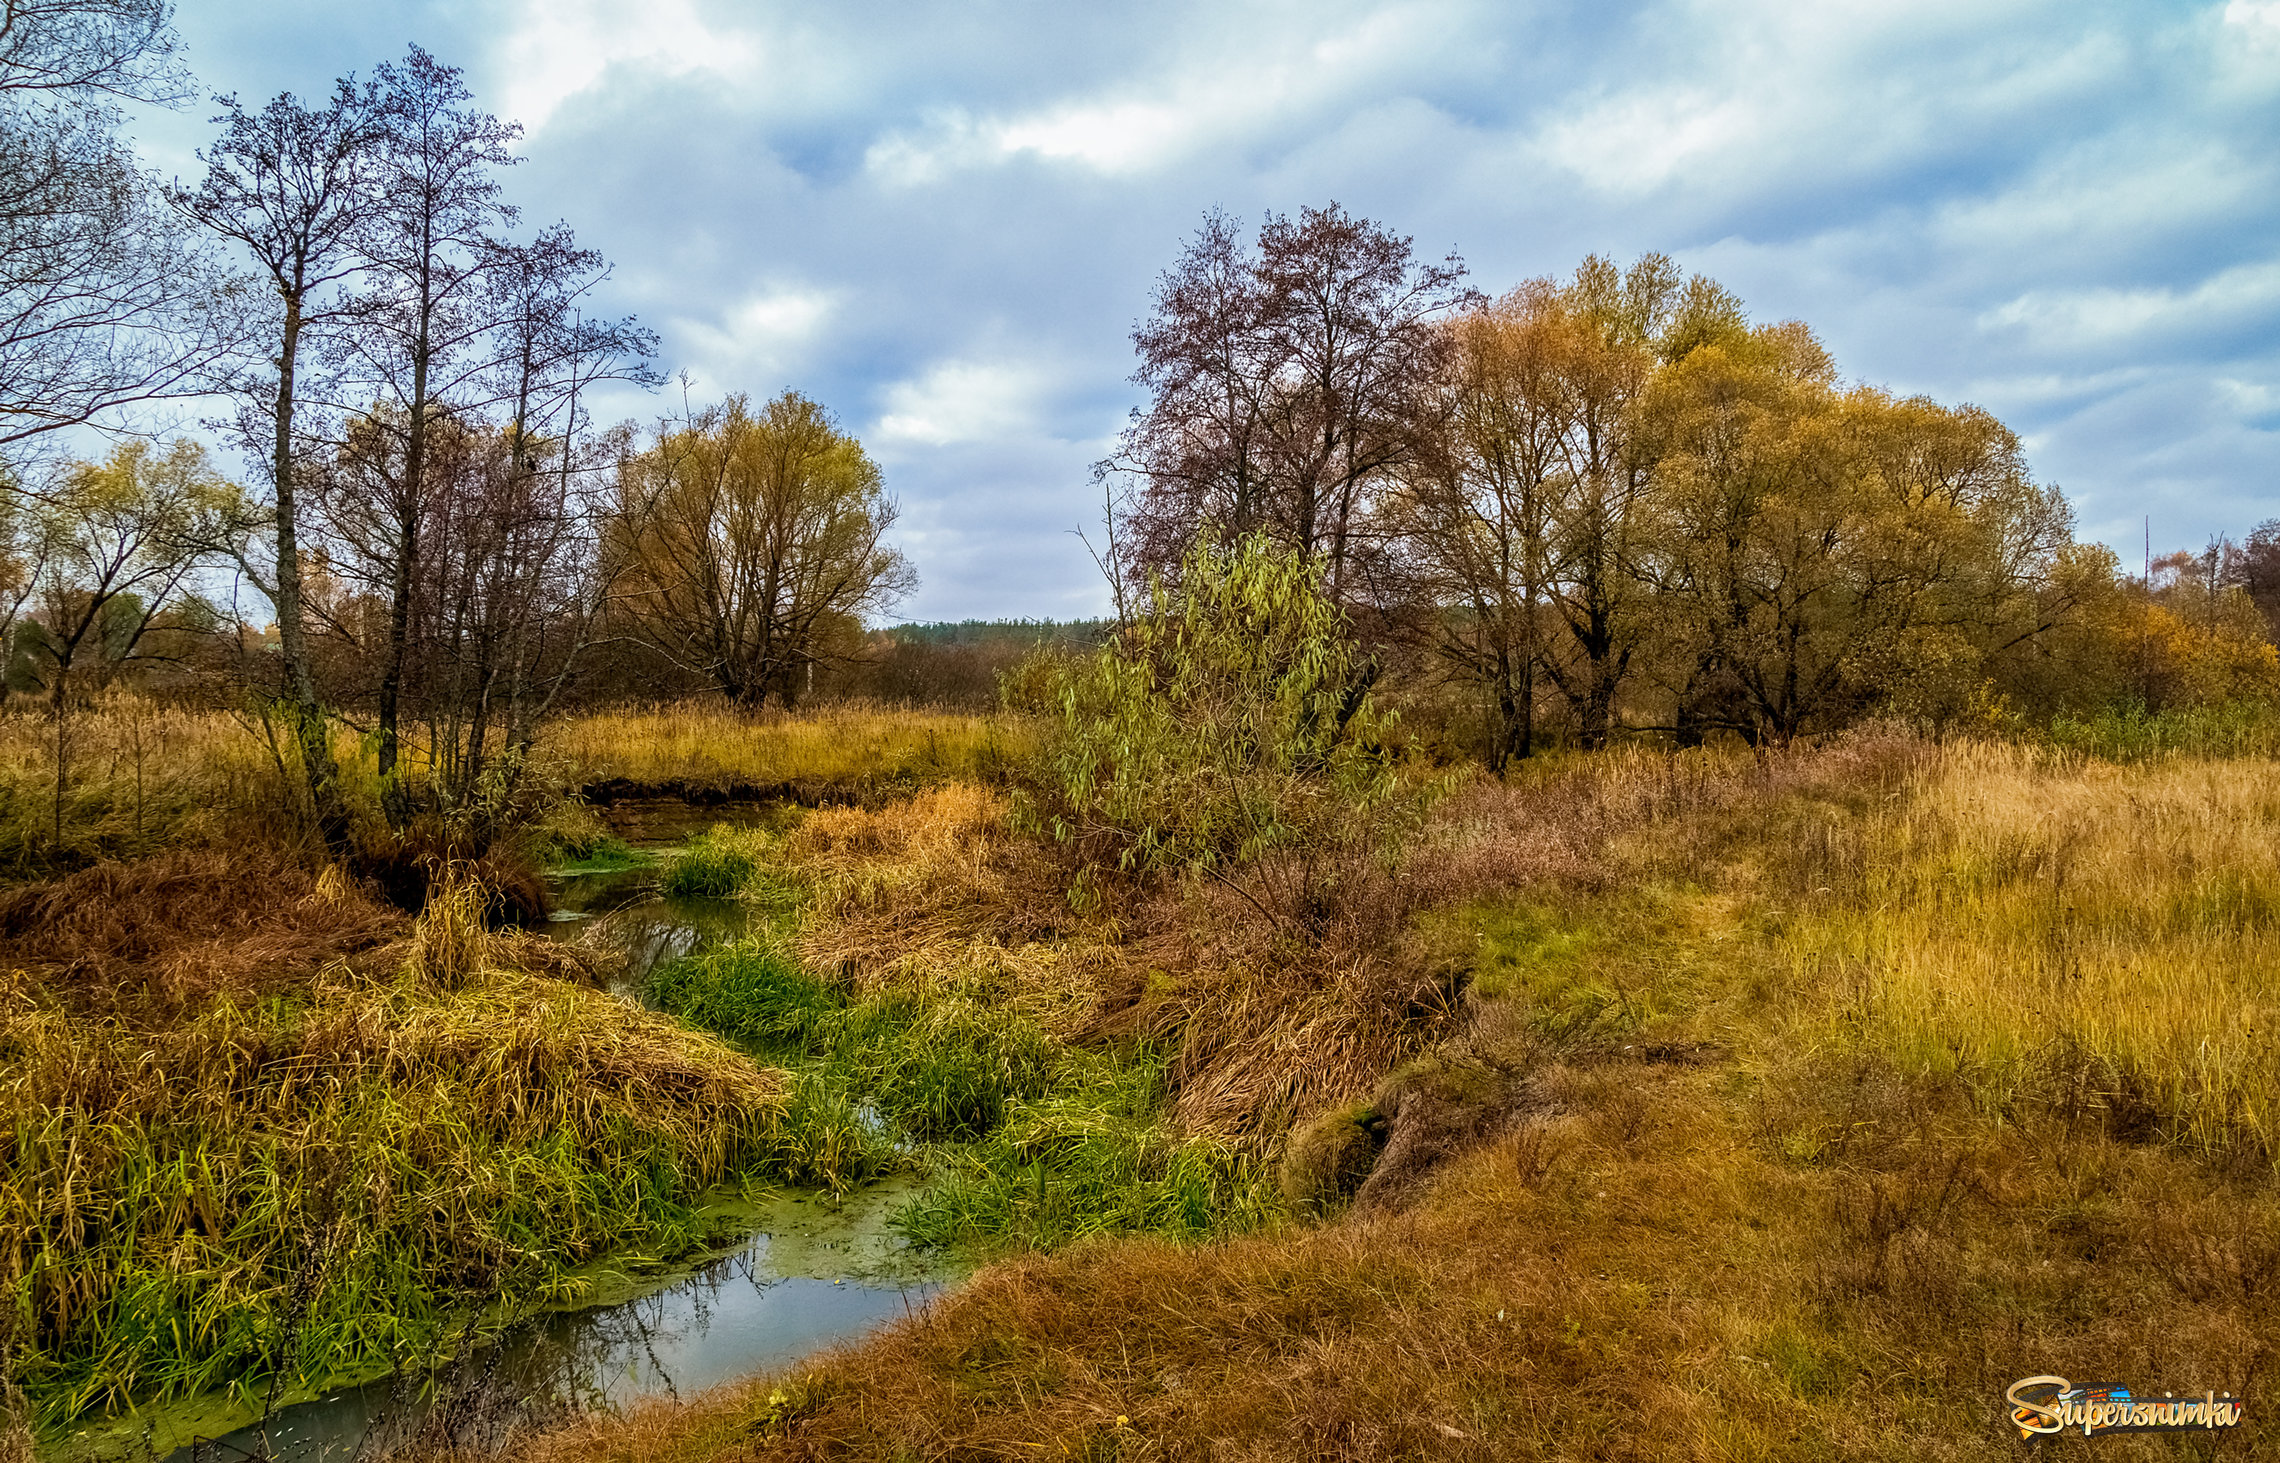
x: 2132, y: 733
x: 717, y: 864
x: 1029, y: 1142
x: 607, y: 855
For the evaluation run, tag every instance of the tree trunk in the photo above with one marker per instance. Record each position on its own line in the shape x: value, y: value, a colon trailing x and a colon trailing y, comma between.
x: 309, y: 726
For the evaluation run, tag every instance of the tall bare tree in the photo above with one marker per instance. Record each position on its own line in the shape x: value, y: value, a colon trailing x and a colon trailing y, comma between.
x: 1282, y: 379
x: 292, y: 184
x: 422, y: 328
x: 105, y: 301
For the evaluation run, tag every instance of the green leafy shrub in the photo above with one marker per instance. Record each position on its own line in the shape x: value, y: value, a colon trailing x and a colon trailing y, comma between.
x: 1231, y: 720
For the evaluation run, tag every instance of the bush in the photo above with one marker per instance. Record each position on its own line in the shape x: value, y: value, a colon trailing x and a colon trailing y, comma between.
x: 1231, y: 720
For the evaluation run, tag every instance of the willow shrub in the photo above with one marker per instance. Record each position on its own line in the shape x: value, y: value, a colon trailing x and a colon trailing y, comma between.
x: 1231, y: 720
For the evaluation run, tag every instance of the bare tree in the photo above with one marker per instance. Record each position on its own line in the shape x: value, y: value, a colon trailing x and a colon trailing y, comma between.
x: 1283, y: 380
x: 292, y: 185
x: 419, y: 346
x: 105, y: 302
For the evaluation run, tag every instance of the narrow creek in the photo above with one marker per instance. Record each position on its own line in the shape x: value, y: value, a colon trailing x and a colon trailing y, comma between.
x: 808, y: 1274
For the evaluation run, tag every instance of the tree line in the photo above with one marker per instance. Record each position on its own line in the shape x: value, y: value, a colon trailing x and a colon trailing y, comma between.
x: 441, y: 538
x: 1611, y: 503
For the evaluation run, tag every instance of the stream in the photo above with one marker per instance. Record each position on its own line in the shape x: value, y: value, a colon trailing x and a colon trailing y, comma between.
x: 809, y: 1274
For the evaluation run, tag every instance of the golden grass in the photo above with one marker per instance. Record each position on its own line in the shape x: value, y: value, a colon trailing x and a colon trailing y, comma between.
x: 1859, y: 1084
x: 705, y: 745
x: 2097, y: 936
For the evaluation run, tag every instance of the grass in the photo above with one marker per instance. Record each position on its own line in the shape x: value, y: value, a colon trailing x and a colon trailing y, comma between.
x: 143, y: 777
x: 2131, y: 732
x: 715, y: 865
x: 318, y: 1177
x: 702, y: 746
x: 1794, y: 1111
x: 1030, y: 1140
x: 2100, y: 941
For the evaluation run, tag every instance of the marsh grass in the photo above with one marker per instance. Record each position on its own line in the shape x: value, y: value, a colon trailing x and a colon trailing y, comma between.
x: 1862, y: 1081
x: 714, y: 865
x: 704, y: 745
x: 1029, y: 1141
x: 317, y: 1178
x: 2131, y: 732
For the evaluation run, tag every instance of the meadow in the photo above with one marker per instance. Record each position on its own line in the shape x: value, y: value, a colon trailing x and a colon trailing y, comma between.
x: 1637, y: 1104
x: 1788, y: 1107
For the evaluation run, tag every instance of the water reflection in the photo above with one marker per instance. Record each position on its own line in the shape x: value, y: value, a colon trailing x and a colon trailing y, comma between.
x: 623, y: 910
x: 816, y: 1276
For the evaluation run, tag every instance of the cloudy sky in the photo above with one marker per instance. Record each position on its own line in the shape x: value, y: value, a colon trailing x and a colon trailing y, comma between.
x: 943, y: 220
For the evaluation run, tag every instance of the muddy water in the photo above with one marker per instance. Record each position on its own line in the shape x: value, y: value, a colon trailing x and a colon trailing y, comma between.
x: 810, y: 1273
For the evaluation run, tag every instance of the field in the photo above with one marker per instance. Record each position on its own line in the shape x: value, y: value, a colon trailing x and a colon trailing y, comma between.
x: 1789, y: 1110
x: 1638, y: 1105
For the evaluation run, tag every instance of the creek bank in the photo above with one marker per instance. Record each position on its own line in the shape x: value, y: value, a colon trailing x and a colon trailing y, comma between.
x: 803, y: 1272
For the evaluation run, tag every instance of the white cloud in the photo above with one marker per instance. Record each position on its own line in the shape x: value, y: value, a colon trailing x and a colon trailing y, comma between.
x: 1238, y: 85
x: 964, y: 401
x: 560, y: 48
x: 766, y: 335
x: 1763, y: 94
x: 2074, y: 319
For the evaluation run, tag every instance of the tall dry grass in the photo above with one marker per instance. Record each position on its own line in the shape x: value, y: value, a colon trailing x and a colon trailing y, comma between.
x: 2081, y: 936
x: 854, y: 746
x: 316, y: 1175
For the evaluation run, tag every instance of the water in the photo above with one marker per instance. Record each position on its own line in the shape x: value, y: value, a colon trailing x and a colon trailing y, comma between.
x: 813, y: 1275
x: 622, y: 909
x: 810, y: 1274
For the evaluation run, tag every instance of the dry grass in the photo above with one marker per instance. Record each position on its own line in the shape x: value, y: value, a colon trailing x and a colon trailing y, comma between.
x: 2096, y: 939
x: 230, y: 1151
x: 709, y: 746
x: 151, y: 938
x: 1858, y: 1084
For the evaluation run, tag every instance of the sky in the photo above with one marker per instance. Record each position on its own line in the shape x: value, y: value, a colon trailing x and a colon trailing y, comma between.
x: 943, y: 221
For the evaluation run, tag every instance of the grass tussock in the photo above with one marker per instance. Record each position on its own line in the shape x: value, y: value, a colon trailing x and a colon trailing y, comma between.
x: 853, y: 746
x: 317, y: 1177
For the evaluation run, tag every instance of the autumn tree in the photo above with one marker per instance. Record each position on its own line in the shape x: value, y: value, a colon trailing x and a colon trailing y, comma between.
x: 1832, y: 551
x: 1283, y: 377
x: 752, y: 543
x: 112, y: 545
x: 1475, y: 511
